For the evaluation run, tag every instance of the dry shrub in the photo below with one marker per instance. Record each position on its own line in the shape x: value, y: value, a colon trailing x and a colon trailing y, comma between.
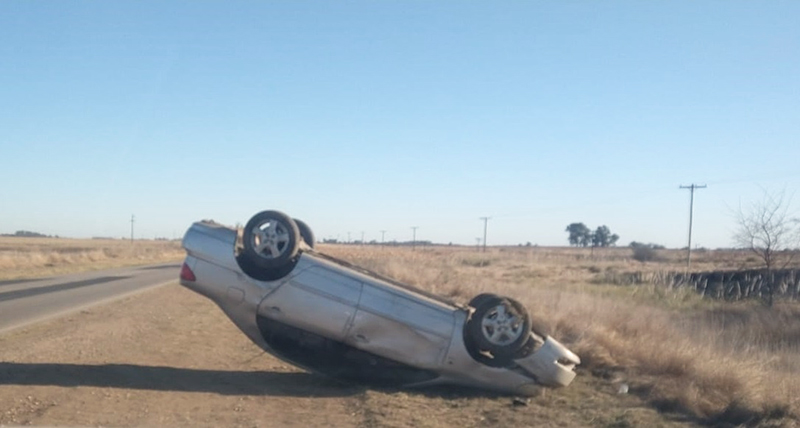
x: 679, y: 365
x: 645, y: 254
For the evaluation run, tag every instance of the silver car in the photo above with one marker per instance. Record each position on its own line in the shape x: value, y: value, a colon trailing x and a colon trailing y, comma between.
x: 330, y: 317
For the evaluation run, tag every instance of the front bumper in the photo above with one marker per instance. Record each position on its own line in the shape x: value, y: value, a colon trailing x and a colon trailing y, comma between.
x: 552, y: 364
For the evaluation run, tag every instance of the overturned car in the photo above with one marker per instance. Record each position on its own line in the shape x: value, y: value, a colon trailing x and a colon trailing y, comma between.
x: 331, y: 317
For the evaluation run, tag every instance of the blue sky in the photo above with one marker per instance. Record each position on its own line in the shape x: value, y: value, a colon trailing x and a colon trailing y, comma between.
x: 365, y: 116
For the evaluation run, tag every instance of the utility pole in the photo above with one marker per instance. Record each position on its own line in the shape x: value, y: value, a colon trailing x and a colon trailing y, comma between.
x: 485, y: 223
x: 414, y: 239
x: 348, y: 237
x: 477, y: 244
x: 362, y: 237
x: 132, y: 220
x: 691, y: 211
x: 383, y: 234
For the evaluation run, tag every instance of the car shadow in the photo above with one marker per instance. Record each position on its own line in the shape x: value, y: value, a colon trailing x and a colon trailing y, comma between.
x: 159, y: 378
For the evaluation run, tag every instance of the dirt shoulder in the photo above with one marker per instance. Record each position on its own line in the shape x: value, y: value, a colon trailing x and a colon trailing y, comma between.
x: 169, y: 357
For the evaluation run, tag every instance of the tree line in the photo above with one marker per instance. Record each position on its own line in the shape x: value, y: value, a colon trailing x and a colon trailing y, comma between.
x: 28, y: 234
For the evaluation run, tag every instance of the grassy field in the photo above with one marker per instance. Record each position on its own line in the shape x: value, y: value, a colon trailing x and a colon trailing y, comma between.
x: 715, y: 362
x: 718, y: 362
x: 42, y: 257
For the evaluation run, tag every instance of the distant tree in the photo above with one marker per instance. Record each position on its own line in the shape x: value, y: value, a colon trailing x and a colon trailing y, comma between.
x: 602, y: 237
x: 579, y: 235
x: 768, y: 230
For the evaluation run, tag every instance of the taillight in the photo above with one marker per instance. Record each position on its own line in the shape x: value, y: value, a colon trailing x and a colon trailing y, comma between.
x: 187, y: 274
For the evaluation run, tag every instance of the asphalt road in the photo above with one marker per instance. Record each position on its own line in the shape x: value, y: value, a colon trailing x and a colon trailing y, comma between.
x: 27, y: 301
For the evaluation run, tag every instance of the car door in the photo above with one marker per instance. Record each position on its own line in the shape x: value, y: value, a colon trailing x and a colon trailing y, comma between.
x: 318, y: 300
x: 402, y: 326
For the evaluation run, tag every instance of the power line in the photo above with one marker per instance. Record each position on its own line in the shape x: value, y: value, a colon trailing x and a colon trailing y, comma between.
x: 756, y: 178
x: 485, y: 225
x: 691, y: 211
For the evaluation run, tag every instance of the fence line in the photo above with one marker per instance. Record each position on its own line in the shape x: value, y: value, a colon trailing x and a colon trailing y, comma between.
x: 723, y: 285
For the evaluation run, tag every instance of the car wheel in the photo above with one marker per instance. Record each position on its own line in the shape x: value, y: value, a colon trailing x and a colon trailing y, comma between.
x: 480, y: 298
x: 486, y: 358
x: 271, y: 240
x: 305, y: 232
x: 500, y: 326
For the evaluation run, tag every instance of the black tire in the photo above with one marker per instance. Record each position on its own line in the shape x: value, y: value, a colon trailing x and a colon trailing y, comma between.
x: 541, y: 328
x: 484, y: 357
x: 305, y: 233
x: 262, y: 274
x: 271, y: 240
x: 500, y: 326
x: 480, y: 298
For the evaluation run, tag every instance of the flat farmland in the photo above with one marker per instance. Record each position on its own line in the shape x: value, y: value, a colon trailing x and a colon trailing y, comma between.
x: 41, y: 257
x: 169, y: 357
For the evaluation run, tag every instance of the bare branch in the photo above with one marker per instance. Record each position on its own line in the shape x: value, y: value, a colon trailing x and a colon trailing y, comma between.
x: 767, y: 229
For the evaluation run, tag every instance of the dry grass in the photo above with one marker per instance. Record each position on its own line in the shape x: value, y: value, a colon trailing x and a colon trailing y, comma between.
x: 722, y: 363
x: 40, y: 257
